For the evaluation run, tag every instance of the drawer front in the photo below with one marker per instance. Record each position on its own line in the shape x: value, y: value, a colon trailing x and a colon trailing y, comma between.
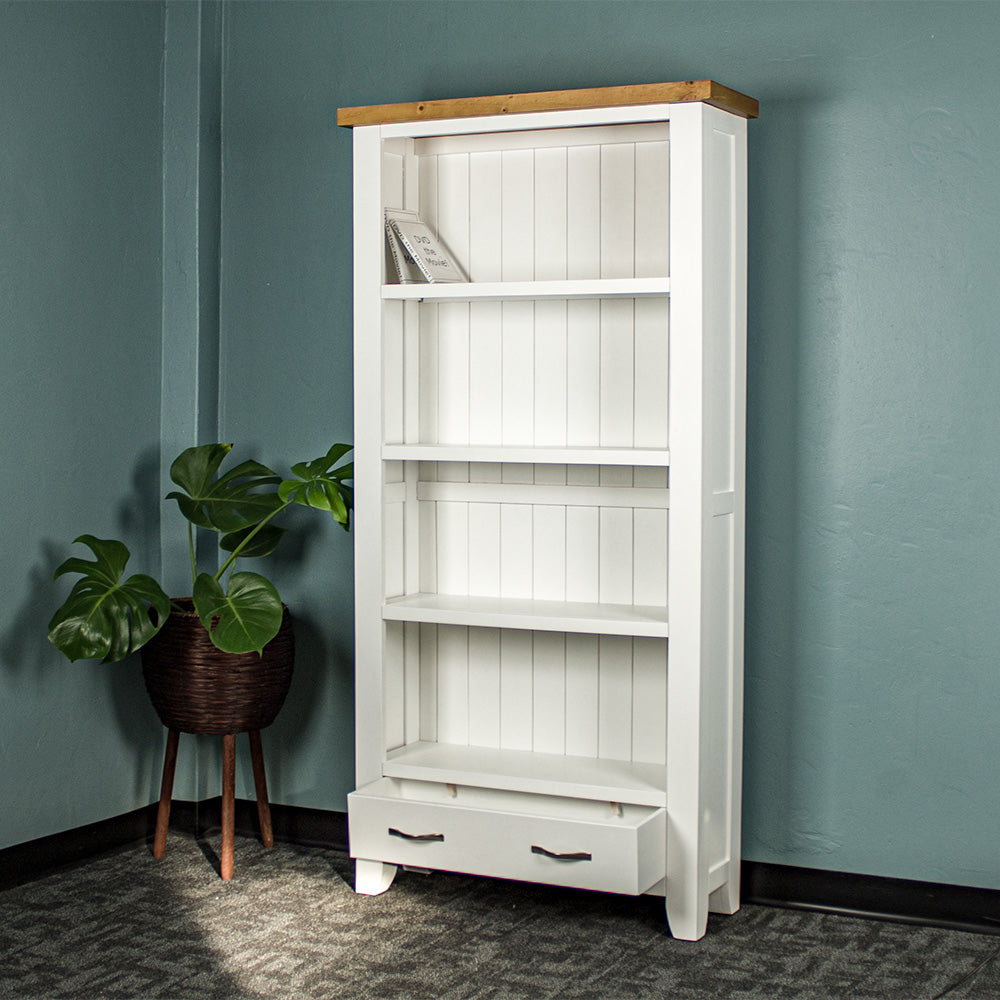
x: 624, y: 854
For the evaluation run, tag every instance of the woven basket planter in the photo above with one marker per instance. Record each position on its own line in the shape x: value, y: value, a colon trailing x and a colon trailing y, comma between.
x: 197, y: 688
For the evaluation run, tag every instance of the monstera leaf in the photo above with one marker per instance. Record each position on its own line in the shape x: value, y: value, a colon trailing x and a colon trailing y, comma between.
x: 224, y: 503
x: 257, y: 540
x: 320, y: 485
x: 106, y: 618
x: 249, y: 611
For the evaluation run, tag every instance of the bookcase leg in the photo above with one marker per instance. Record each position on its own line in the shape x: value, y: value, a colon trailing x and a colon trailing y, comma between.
x: 372, y: 878
x: 725, y: 899
x: 686, y: 917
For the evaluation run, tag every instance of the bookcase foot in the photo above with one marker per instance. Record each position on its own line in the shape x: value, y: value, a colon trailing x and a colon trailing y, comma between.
x: 372, y: 878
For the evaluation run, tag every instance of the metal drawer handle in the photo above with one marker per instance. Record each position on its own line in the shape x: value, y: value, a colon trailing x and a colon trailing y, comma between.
x: 393, y: 832
x: 577, y: 856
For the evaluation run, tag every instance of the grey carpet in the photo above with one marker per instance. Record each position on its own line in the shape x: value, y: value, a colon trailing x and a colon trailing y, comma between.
x: 289, y: 926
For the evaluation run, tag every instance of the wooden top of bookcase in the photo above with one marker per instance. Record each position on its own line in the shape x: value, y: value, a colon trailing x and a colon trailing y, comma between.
x: 707, y: 91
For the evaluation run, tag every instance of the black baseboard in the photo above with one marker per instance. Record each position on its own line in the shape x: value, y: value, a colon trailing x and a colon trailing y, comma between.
x: 952, y: 906
x: 36, y: 858
x: 844, y: 893
x: 289, y: 824
x: 292, y: 824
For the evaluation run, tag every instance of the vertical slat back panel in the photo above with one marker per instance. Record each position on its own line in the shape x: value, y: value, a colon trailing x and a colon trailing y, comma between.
x: 515, y: 550
x: 453, y: 373
x: 550, y: 214
x: 614, y: 725
x: 516, y: 722
x: 485, y: 373
x: 484, y: 687
x: 453, y: 684
x: 583, y: 373
x: 582, y: 695
x: 615, y: 547
x: 649, y: 561
x: 517, y: 198
x: 485, y: 262
x: 617, y: 373
x: 517, y: 373
x: 583, y: 532
x: 618, y: 211
x: 652, y: 209
x: 428, y: 576
x: 428, y: 682
x: 652, y: 356
x: 411, y: 681
x: 427, y: 367
x: 550, y: 373
x: 548, y: 553
x: 484, y: 549
x: 393, y: 549
x: 393, y: 378
x: 452, y: 222
x: 549, y: 692
x: 649, y: 700
x: 583, y: 197
x: 427, y: 186
x: 452, y: 547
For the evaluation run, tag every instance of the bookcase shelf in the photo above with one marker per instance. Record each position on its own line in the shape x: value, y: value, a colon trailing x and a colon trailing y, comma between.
x: 600, y: 288
x: 549, y: 456
x: 547, y: 616
x: 527, y: 771
x: 526, y: 455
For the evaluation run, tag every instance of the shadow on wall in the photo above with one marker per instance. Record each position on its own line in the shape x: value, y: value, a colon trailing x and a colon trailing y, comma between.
x: 26, y: 653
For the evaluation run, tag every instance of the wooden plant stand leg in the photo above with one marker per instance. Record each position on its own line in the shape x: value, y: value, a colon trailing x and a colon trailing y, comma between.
x: 166, y: 790
x: 260, y: 783
x: 228, y: 805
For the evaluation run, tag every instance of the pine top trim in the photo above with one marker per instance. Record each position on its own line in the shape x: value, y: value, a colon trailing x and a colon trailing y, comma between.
x: 707, y: 91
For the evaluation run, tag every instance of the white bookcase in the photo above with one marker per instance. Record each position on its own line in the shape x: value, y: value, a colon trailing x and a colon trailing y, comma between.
x: 550, y: 493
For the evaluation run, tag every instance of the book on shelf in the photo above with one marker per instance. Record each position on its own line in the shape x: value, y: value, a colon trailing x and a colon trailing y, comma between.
x: 413, y: 244
x: 407, y: 271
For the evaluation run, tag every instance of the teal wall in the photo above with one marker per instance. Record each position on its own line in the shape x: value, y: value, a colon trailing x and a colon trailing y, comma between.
x: 80, y: 225
x: 872, y: 680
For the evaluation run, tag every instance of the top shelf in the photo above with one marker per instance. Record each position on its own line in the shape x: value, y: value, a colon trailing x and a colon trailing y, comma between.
x: 684, y: 91
x: 596, y: 288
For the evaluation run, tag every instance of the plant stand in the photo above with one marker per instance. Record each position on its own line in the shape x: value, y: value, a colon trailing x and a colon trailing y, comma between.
x: 228, y: 797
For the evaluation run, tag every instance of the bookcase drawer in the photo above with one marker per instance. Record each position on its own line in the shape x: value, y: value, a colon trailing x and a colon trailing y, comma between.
x: 534, y: 838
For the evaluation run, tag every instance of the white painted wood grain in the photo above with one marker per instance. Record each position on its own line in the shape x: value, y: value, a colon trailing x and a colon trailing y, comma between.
x: 551, y: 221
x: 618, y: 211
x: 517, y: 198
x: 484, y: 687
x: 485, y: 231
x: 615, y: 698
x: 453, y: 684
x: 516, y: 711
x: 549, y: 692
x: 583, y: 195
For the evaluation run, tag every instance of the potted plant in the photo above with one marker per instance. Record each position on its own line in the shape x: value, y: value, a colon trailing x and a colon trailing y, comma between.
x: 108, y: 618
x: 220, y: 660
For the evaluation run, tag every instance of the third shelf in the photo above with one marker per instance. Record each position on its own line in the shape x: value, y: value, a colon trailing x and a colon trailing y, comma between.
x: 514, y: 613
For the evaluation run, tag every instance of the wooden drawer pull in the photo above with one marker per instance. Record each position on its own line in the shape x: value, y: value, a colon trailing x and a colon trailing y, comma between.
x: 393, y: 832
x: 577, y: 856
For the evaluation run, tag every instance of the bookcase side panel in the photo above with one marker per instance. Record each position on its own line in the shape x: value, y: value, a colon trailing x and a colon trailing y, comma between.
x: 725, y: 379
x: 687, y: 874
x: 368, y: 528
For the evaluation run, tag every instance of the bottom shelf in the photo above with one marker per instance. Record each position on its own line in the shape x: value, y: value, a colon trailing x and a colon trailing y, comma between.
x: 525, y: 771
